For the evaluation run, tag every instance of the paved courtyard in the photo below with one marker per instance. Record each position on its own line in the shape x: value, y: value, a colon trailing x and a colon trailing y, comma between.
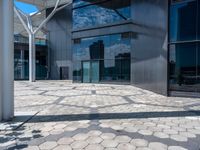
x: 68, y: 116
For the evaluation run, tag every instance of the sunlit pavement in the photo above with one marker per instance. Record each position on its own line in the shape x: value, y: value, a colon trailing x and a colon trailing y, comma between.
x: 101, y: 117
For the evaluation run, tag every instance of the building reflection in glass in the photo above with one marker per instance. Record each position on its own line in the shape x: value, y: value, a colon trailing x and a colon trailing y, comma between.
x: 184, y: 57
x: 111, y: 52
x: 88, y: 13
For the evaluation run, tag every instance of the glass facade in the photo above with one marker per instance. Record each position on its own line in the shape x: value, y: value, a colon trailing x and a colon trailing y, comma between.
x: 184, y: 52
x: 92, y: 13
x: 21, y: 65
x: 102, y: 58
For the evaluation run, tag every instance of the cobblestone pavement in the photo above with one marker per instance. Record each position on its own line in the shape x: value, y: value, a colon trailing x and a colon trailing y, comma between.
x: 101, y: 117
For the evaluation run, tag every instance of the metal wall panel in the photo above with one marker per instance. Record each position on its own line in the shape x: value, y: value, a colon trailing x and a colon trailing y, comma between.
x: 150, y: 45
x: 60, y: 50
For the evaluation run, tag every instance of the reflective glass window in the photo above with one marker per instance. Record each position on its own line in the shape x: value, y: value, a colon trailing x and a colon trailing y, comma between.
x: 183, y: 67
x: 79, y: 3
x: 198, y: 66
x: 183, y: 21
x: 77, y: 72
x: 198, y: 20
x: 111, y: 52
x: 101, y: 13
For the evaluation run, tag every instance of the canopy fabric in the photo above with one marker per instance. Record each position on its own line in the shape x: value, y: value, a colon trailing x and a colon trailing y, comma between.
x: 37, y: 19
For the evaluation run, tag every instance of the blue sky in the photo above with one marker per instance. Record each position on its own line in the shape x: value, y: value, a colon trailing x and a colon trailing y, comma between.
x: 27, y: 8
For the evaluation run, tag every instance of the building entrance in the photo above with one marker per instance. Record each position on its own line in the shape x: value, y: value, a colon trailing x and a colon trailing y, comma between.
x: 90, y: 71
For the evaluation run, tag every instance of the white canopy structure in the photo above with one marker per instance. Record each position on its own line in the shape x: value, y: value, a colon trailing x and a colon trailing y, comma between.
x: 36, y: 19
x: 33, y: 27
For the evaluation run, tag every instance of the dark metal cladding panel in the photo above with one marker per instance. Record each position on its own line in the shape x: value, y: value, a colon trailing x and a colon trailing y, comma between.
x: 150, y: 45
x: 59, y: 38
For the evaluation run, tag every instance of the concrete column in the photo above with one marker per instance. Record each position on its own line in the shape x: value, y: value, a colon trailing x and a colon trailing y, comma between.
x: 7, y: 70
x: 32, y: 58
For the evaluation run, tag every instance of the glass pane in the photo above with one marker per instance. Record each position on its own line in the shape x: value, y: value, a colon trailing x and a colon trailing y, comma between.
x: 111, y: 51
x: 79, y: 3
x: 96, y: 49
x: 183, y: 68
x: 77, y: 71
x: 198, y: 67
x: 183, y: 22
x: 21, y: 65
x: 41, y: 65
x: 107, y: 70
x: 101, y: 13
x: 125, y: 70
x: 86, y: 72
x: 94, y: 71
x: 199, y: 20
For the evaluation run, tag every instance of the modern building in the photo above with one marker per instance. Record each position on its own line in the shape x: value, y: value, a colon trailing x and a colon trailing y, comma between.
x: 154, y: 45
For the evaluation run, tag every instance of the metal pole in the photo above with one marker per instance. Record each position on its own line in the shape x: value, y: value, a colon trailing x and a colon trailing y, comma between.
x: 22, y: 64
x: 8, y: 59
x: 32, y: 58
x: 1, y: 53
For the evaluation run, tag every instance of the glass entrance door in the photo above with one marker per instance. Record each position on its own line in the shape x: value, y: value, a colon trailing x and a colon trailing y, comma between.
x: 86, y: 72
x: 90, y: 72
x: 94, y: 71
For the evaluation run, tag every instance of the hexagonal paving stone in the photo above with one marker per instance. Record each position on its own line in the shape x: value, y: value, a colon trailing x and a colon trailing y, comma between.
x: 80, y: 136
x: 70, y: 128
x: 179, y: 138
x: 109, y: 143
x: 79, y: 144
x: 56, y: 131
x: 149, y: 124
x: 126, y: 146
x: 176, y: 148
x: 48, y: 145
x: 143, y: 148
x: 94, y: 140
x: 107, y: 136
x: 145, y: 132
x: 163, y: 126
x: 59, y: 126
x: 139, y: 142
x: 123, y: 139
x: 131, y: 129
x: 194, y: 131
x: 170, y: 131
x: 66, y: 140
x: 157, y: 146
x: 117, y: 127
x: 187, y: 134
x: 177, y: 128
x: 94, y: 147
x: 46, y: 129
x: 161, y: 135
x: 94, y: 133
x: 31, y: 148
x: 63, y: 147
x: 110, y: 149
